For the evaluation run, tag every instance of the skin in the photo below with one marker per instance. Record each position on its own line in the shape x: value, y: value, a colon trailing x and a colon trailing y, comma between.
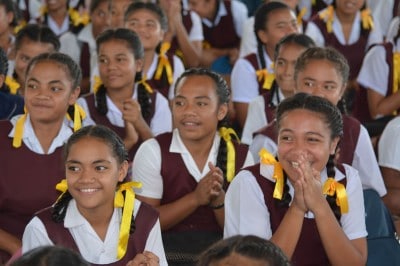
x: 381, y: 104
x: 305, y: 138
x: 346, y: 11
x: 100, y: 18
x: 5, y: 32
x: 235, y: 259
x: 117, y: 12
x: 57, y: 10
x: 196, y: 112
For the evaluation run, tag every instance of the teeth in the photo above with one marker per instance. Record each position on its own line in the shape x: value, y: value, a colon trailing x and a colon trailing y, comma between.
x: 88, y: 190
x: 295, y: 164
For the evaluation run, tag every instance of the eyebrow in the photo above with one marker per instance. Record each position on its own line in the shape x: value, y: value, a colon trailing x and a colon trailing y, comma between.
x: 94, y: 162
x: 51, y: 82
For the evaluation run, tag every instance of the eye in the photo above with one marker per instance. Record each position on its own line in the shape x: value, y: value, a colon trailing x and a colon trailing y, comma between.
x: 103, y: 60
x: 286, y: 138
x: 201, y: 104
x: 330, y: 87
x: 73, y: 168
x: 56, y: 88
x: 25, y: 59
x: 179, y: 103
x: 32, y: 86
x: 280, y: 62
x: 309, y: 84
x: 101, y: 168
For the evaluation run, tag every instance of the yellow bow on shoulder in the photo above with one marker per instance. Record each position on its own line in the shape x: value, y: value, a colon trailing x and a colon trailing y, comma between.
x: 146, y: 85
x: 231, y: 153
x: 12, y: 84
x: 328, y: 16
x: 366, y: 19
x: 300, y: 16
x: 396, y: 71
x: 267, y: 158
x: 266, y: 77
x: 127, y: 213
x: 62, y: 186
x: 331, y: 186
x: 19, y: 131
x: 79, y: 116
x: 78, y: 18
x: 164, y: 63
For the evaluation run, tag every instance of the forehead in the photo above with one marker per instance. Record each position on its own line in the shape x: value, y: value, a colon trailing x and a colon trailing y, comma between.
x: 56, y: 69
x: 303, y: 120
x: 34, y: 47
x: 199, y: 85
x: 290, y: 50
x: 113, y: 46
x: 143, y: 12
x: 321, y: 70
x: 281, y: 15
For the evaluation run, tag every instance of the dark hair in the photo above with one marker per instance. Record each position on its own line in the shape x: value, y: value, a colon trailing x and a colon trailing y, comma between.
x: 249, y: 246
x: 4, y: 69
x: 10, y: 6
x: 50, y: 256
x: 95, y: 3
x: 156, y: 9
x: 37, y: 33
x: 133, y: 43
x: 331, y: 116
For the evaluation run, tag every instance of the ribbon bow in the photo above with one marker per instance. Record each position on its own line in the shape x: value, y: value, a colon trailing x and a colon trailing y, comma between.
x: 231, y: 153
x: 164, y: 63
x: 396, y: 71
x: 19, y: 131
x: 97, y: 82
x: 267, y: 158
x: 77, y: 18
x: 331, y: 186
x: 146, y: 85
x: 366, y: 19
x: 268, y: 78
x: 62, y: 186
x: 127, y: 213
x: 300, y: 15
x: 328, y: 16
x: 79, y: 115
x: 12, y: 84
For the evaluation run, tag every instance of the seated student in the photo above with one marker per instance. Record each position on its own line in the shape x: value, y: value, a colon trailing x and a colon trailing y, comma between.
x: 220, y: 18
x: 30, y: 41
x: 253, y: 75
x: 31, y: 145
x: 8, y: 20
x: 160, y: 67
x: 97, y: 214
x: 118, y: 9
x: 323, y: 72
x: 300, y: 201
x: 124, y: 102
x: 261, y: 109
x: 247, y: 250
x: 184, y: 173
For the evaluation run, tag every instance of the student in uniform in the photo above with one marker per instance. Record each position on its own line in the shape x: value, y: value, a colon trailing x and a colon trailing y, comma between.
x: 300, y: 201
x: 198, y: 160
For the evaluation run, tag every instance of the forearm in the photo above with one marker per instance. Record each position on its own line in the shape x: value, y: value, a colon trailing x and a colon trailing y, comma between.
x: 392, y: 199
x: 143, y: 129
x: 191, y: 52
x: 8, y: 242
x: 386, y: 106
x: 210, y: 55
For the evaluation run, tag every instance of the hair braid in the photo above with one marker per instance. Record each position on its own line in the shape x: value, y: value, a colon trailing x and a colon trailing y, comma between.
x: 143, y: 97
x: 60, y: 207
x: 330, y: 168
x: 101, y: 102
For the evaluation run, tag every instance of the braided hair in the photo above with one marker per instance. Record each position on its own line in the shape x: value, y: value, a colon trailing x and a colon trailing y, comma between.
x: 133, y: 43
x: 331, y: 116
x: 107, y: 136
x: 223, y: 93
x: 4, y: 70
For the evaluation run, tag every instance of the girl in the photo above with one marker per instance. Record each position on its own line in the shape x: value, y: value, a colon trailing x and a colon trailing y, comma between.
x: 130, y: 108
x: 261, y: 109
x: 93, y: 216
x: 313, y: 211
x: 8, y: 21
x: 161, y: 68
x: 253, y: 74
x: 31, y: 145
x: 186, y: 183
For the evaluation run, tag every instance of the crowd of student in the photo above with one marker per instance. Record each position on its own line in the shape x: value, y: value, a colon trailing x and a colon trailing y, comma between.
x: 155, y: 133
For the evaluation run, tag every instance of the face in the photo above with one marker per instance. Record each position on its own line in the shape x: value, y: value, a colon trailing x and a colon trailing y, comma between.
x: 320, y: 78
x: 92, y: 173
x: 304, y: 133
x: 205, y: 8
x: 28, y: 49
x: 48, y: 92
x: 146, y: 24
x: 292, y: 3
x: 100, y: 18
x: 196, y: 110
x: 117, y: 65
x: 5, y: 20
x: 280, y: 23
x: 349, y: 7
x: 237, y: 260
x: 118, y: 8
x: 284, y: 67
x: 53, y: 5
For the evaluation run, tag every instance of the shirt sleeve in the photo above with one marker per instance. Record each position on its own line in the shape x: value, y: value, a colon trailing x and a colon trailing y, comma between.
x: 244, y: 82
x: 255, y: 119
x: 162, y: 119
x: 196, y: 32
x: 314, y: 33
x: 35, y: 235
x: 146, y: 168
x: 262, y: 141
x: 179, y: 68
x: 389, y: 145
x: 248, y: 42
x: 154, y: 243
x: 239, y: 12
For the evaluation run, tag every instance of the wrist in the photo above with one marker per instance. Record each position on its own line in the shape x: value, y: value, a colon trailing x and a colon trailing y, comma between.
x: 217, y: 206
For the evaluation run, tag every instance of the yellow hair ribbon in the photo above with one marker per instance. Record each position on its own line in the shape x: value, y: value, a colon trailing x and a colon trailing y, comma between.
x: 331, y: 186
x: 267, y: 158
x: 12, y: 84
x: 20, y: 26
x: 62, y: 186
x: 231, y: 153
x: 164, y: 63
x: 366, y: 19
x: 43, y: 10
x: 268, y: 78
x: 396, y: 74
x: 79, y: 115
x: 313, y: 2
x: 127, y: 213
x: 145, y: 84
x: 301, y: 15
x: 328, y: 16
x: 19, y: 131
x: 77, y: 18
x: 97, y: 82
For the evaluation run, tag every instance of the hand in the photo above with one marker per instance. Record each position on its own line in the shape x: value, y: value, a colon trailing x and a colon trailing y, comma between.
x: 233, y: 55
x: 210, y: 187
x: 131, y: 111
x: 146, y: 258
x: 131, y: 135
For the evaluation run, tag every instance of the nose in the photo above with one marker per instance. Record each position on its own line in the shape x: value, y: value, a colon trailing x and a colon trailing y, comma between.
x: 87, y: 176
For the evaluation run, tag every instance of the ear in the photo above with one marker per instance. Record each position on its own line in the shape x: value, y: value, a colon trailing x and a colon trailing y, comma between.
x: 222, y: 111
x: 74, y: 95
x: 123, y: 170
x: 333, y: 146
x: 262, y: 35
x: 10, y: 17
x: 139, y: 65
x: 2, y: 79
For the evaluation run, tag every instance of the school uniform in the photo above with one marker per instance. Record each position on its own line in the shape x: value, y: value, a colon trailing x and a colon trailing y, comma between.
x: 251, y: 209
x: 76, y: 233
x: 10, y: 105
x: 28, y: 175
x: 393, y: 29
x: 355, y: 149
x: 389, y: 145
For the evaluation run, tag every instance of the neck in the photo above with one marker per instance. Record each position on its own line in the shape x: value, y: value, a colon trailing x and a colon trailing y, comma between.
x: 200, y: 149
x: 5, y: 41
x: 99, y: 219
x: 118, y: 96
x: 270, y: 52
x: 148, y: 60
x: 345, y: 18
x: 58, y: 15
x: 46, y: 132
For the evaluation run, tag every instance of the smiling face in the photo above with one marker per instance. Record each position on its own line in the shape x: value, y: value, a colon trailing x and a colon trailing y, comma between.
x: 48, y: 92
x: 196, y: 110
x: 118, y: 8
x: 304, y: 133
x: 349, y: 7
x: 117, y: 65
x: 100, y: 18
x: 92, y: 173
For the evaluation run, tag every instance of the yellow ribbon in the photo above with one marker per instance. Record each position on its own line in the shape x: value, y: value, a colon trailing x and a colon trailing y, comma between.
x: 127, y: 204
x: 268, y: 78
x: 20, y: 26
x: 267, y: 158
x: 77, y: 18
x: 301, y: 15
x: 97, y: 82
x: 146, y: 85
x: 328, y: 16
x: 12, y: 84
x: 396, y: 74
x: 331, y: 186
x: 313, y: 2
x: 79, y: 115
x: 19, y: 131
x: 366, y: 19
x: 231, y: 153
x: 164, y: 63
x: 63, y: 187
